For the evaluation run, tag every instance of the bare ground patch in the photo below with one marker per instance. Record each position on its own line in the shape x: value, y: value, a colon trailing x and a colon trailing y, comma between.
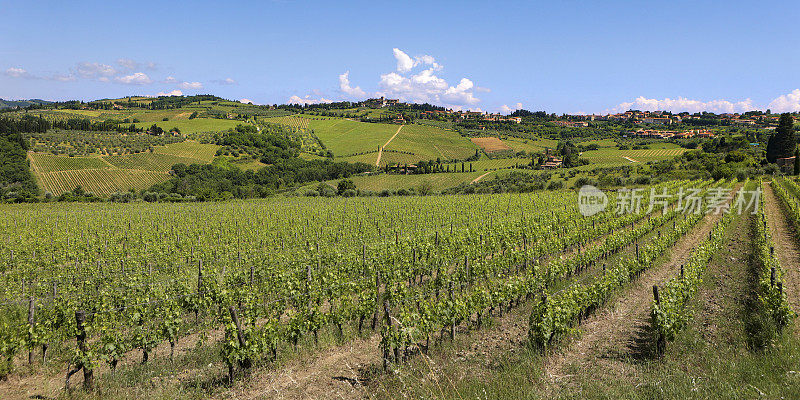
x: 491, y: 144
x: 334, y: 373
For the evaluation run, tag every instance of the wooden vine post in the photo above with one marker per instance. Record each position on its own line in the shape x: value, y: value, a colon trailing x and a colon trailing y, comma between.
x: 83, y: 363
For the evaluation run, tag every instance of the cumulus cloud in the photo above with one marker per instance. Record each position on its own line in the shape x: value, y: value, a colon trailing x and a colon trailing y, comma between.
x: 424, y: 85
x: 190, y: 85
x: 246, y: 101
x: 89, y: 70
x: 137, y: 78
x: 404, y: 62
x: 505, y: 109
x: 789, y: 102
x: 307, y: 100
x: 170, y: 79
x: 17, y: 73
x: 175, y: 92
x: 344, y: 86
x: 681, y: 104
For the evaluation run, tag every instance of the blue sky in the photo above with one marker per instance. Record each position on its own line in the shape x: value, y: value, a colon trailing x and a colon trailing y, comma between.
x: 563, y: 57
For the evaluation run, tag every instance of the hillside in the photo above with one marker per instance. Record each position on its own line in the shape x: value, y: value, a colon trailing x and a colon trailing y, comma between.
x: 20, y: 103
x: 103, y: 175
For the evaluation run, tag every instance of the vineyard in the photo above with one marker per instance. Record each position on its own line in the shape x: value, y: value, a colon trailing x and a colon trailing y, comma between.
x: 608, y: 157
x: 125, y: 279
x: 118, y: 173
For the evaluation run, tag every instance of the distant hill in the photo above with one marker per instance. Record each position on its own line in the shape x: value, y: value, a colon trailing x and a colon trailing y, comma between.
x: 21, y: 103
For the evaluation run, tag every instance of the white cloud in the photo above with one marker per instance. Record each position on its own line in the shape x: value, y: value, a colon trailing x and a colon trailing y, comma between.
x: 94, y: 70
x: 427, y: 60
x: 425, y: 86
x: 137, y: 78
x: 344, y: 85
x: 681, y: 104
x: 227, y: 81
x: 170, y: 79
x: 175, y: 92
x: 307, y: 100
x: 191, y: 85
x: 246, y: 101
x: 404, y: 62
x: 505, y: 109
x: 786, y: 103
x: 17, y: 73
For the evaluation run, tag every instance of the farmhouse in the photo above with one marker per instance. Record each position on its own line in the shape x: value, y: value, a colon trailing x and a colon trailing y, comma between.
x: 552, y: 163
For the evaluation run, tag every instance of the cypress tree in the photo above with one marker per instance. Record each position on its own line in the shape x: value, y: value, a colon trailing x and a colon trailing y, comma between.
x: 797, y: 162
x: 782, y: 143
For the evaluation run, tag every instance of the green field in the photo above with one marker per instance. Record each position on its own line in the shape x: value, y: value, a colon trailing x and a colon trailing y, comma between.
x: 149, y: 161
x: 430, y: 143
x: 50, y: 163
x: 345, y: 137
x: 610, y: 157
x: 190, y: 149
x: 294, y: 121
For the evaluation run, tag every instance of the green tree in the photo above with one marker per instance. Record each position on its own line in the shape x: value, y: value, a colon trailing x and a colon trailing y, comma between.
x: 782, y: 143
x: 345, y: 184
x: 797, y: 162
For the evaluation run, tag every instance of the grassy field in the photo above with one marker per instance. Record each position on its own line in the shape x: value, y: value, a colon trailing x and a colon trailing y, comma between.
x: 499, y: 163
x: 149, y: 161
x: 51, y: 163
x: 190, y: 149
x: 430, y: 143
x: 197, y: 125
x: 345, y: 137
x: 294, y: 121
x: 609, y: 157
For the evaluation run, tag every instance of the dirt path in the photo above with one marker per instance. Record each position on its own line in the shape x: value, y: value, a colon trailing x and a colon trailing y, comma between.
x: 629, y: 159
x: 612, y: 334
x: 328, y: 374
x: 480, y: 177
x: 785, y: 237
x: 380, y: 151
